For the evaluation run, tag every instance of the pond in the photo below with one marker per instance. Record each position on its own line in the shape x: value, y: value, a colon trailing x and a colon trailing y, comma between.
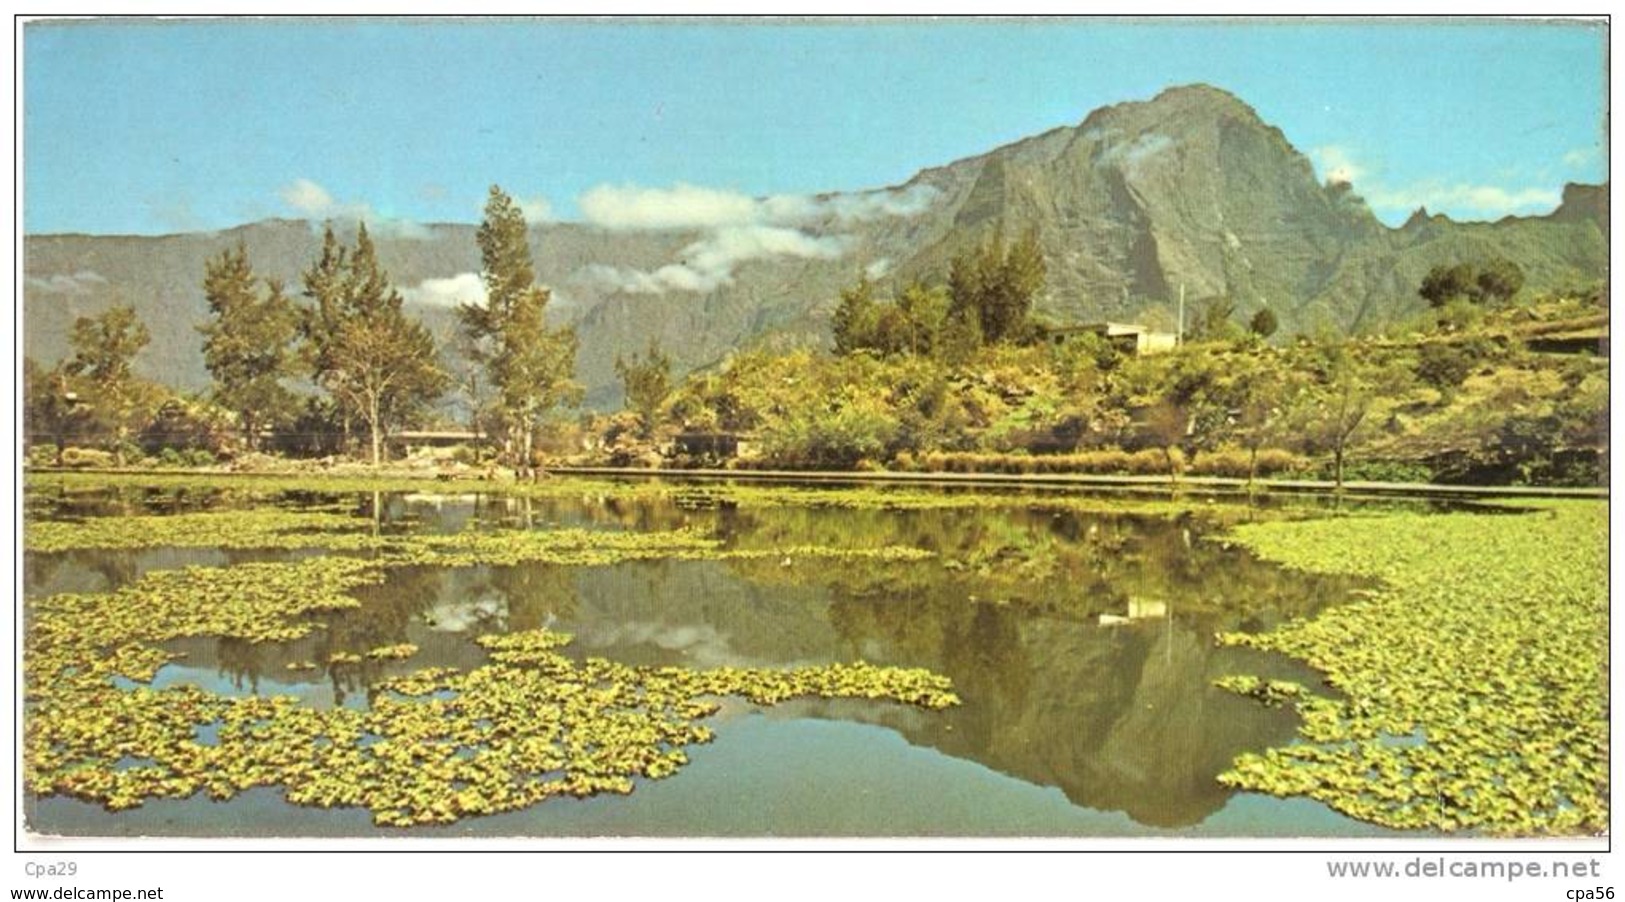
x: 1079, y: 641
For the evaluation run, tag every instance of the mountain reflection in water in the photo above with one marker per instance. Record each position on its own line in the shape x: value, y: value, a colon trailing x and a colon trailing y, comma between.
x: 1081, y: 643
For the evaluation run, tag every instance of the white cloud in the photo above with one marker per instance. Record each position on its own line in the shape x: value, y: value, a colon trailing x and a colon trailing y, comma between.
x: 735, y: 244
x: 81, y: 282
x: 736, y: 228
x: 1463, y: 200
x: 312, y: 201
x: 871, y: 205
x: 709, y: 263
x: 619, y: 278
x: 683, y: 206
x: 463, y: 288
x: 535, y: 209
x: 1580, y: 156
x: 307, y: 197
x: 1337, y: 164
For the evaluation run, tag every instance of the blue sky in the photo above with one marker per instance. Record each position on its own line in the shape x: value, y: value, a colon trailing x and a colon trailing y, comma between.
x: 149, y: 128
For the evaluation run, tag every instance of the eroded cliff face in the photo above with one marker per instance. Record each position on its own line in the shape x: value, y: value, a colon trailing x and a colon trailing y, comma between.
x: 1189, y: 189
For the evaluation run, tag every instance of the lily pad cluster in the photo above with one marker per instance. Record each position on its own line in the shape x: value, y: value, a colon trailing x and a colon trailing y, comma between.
x: 1272, y: 693
x: 435, y: 746
x: 256, y: 528
x: 248, y: 487
x: 400, y: 651
x: 291, y: 530
x: 1473, y: 683
x: 78, y: 634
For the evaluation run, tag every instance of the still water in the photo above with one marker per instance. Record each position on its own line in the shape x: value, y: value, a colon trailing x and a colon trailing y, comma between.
x: 1081, y: 644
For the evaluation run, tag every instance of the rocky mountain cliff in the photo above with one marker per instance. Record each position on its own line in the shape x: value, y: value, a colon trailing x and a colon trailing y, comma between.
x: 1189, y: 190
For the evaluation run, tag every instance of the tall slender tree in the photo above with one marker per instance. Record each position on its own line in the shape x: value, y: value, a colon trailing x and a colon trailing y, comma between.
x: 530, y: 366
x: 249, y: 345
x: 377, y: 362
x: 319, y: 323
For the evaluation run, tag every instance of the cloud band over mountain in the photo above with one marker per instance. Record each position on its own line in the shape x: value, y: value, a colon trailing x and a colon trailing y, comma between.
x: 737, y: 228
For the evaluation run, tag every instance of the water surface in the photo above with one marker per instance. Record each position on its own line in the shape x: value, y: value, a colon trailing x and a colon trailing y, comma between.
x: 1081, y: 644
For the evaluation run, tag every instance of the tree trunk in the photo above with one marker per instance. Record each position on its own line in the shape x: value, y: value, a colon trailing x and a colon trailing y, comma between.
x: 1337, y: 466
x: 1168, y: 455
x: 527, y: 450
x: 372, y: 421
x: 1252, y: 467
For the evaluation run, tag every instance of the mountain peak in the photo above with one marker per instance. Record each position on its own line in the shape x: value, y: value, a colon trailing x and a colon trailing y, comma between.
x: 1180, y: 108
x: 1418, y: 218
x: 1582, y: 203
x: 1198, y: 92
x: 1199, y: 101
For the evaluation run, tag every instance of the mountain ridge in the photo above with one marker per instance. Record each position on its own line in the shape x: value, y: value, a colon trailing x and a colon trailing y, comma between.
x: 1188, y: 191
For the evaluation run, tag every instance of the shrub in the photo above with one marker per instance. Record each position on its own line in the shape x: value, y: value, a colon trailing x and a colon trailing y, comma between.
x: 1443, y: 366
x: 1102, y: 462
x: 86, y: 457
x: 1234, y: 462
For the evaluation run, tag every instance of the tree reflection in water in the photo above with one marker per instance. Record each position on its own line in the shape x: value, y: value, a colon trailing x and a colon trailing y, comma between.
x: 1080, y: 642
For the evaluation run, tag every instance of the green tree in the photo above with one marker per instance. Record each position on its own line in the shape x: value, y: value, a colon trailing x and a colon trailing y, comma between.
x: 925, y: 311
x: 647, y: 381
x: 1020, y: 281
x: 1167, y: 424
x: 248, y: 347
x: 853, y: 321
x: 995, y: 287
x: 530, y: 366
x: 910, y: 323
x: 1213, y: 322
x: 192, y: 425
x: 104, y: 349
x: 1499, y: 280
x: 1444, y: 283
x: 1493, y: 282
x: 324, y: 286
x: 1348, y: 392
x: 1264, y: 323
x: 53, y: 409
x: 377, y: 362
x: 1263, y: 394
